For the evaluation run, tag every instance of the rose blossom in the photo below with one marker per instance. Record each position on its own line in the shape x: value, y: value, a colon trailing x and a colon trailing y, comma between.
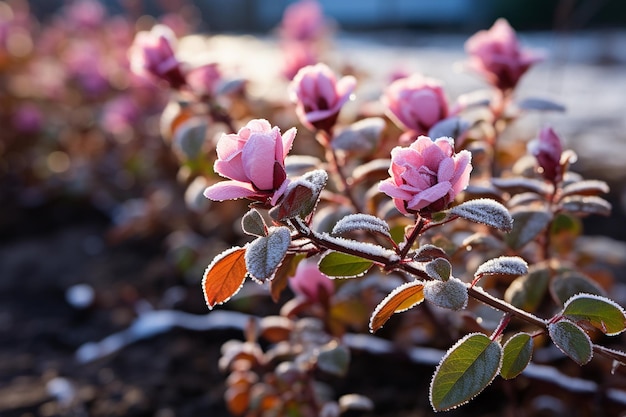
x: 547, y: 149
x: 319, y: 96
x: 303, y: 21
x: 416, y: 103
x: 310, y: 283
x: 152, y: 56
x: 497, y: 55
x: 254, y: 160
x: 427, y: 175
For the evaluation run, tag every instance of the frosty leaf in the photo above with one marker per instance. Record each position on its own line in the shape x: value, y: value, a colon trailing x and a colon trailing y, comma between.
x: 601, y: 312
x: 516, y: 355
x: 342, y: 265
x: 543, y: 104
x: 297, y: 165
x: 450, y: 294
x: 361, y: 137
x: 582, y: 205
x: 400, y: 299
x: 465, y: 370
x: 567, y: 284
x: 428, y: 252
x: 586, y: 187
x: 365, y: 222
x: 526, y: 292
x: 485, y: 211
x: 189, y: 138
x: 377, y: 166
x: 452, y: 127
x: 571, y: 340
x: 439, y: 269
x: 517, y: 185
x: 265, y: 254
x: 334, y: 359
x: 253, y: 224
x: 355, y: 402
x: 504, y: 265
x: 523, y: 199
x: 224, y: 276
x: 301, y: 196
x: 527, y: 224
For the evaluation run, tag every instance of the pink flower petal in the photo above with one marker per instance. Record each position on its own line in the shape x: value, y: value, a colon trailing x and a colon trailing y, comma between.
x: 229, y: 190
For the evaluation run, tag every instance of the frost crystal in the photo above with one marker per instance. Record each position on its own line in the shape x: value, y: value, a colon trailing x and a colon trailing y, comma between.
x: 362, y: 247
x: 450, y: 294
x: 361, y: 222
x: 504, y: 265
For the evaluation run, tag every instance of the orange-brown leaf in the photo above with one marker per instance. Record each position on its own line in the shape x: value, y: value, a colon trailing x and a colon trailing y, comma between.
x: 400, y: 299
x: 224, y: 277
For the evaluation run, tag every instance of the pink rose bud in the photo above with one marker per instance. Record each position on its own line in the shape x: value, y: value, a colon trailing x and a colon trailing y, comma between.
x: 303, y: 21
x: 310, y: 283
x: 416, y: 103
x: 547, y: 149
x: 427, y: 175
x: 204, y: 79
x: 497, y: 55
x: 254, y: 160
x: 152, y: 56
x: 297, y: 55
x: 319, y: 96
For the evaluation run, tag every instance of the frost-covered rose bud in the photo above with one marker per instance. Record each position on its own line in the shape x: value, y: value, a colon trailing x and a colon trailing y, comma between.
x: 310, y: 283
x: 152, y: 56
x: 547, y: 149
x: 254, y: 160
x: 427, y: 175
x: 416, y: 103
x: 319, y: 96
x: 497, y: 55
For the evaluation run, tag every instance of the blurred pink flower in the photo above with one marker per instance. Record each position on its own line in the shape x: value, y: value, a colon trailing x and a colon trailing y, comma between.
x: 416, y: 103
x: 297, y: 55
x: 204, y: 79
x: 152, y: 56
x: 120, y: 114
x: 427, y: 175
x: 254, y: 160
x: 85, y: 63
x: 85, y: 14
x: 27, y: 118
x: 497, y: 55
x: 303, y: 21
x: 319, y: 96
x: 310, y: 283
x: 547, y: 149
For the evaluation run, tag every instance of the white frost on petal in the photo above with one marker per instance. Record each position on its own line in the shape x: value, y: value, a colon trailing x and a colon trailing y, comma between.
x: 504, y: 265
x: 359, y: 221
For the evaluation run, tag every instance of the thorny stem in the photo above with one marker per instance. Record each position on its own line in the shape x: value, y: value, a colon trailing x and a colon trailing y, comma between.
x: 331, y: 156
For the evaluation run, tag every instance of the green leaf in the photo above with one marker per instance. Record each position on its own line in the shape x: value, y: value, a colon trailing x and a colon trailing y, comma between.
x: 361, y: 137
x: 527, y: 224
x: 485, y: 211
x: 465, y: 370
x: 583, y: 205
x: 342, y: 265
x: 567, y: 284
x: 450, y: 294
x: 264, y: 255
x: 527, y: 292
x: 571, y: 340
x: 600, y: 312
x: 516, y: 355
x: 365, y: 222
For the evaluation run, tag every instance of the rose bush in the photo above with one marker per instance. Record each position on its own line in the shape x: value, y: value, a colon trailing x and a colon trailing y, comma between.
x: 254, y: 160
x: 427, y: 175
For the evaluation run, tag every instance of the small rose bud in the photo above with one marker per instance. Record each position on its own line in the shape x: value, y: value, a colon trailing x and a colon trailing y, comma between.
x: 310, y: 283
x: 547, y: 149
x: 498, y: 57
x: 319, y: 96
